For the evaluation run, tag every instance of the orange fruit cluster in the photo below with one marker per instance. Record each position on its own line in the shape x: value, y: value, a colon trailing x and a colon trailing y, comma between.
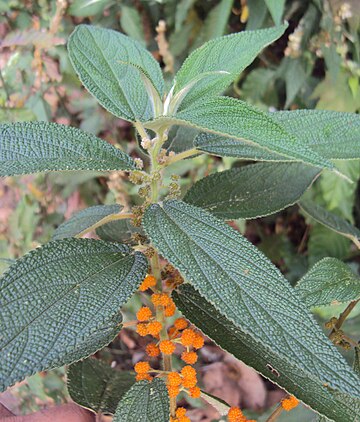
x: 185, y: 380
x: 149, y: 281
x: 178, y: 334
x: 236, y: 415
x: 289, y: 403
x: 180, y: 414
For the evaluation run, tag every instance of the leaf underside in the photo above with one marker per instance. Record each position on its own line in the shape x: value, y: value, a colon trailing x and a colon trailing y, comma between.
x: 288, y: 375
x: 61, y: 303
x: 247, y: 289
x: 118, y: 231
x: 32, y: 147
x: 252, y: 191
x: 145, y: 402
x: 329, y: 219
x: 94, y: 385
x: 329, y: 281
x: 84, y: 219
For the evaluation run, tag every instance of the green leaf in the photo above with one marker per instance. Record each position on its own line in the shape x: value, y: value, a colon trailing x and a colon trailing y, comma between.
x: 131, y: 22
x: 276, y: 9
x: 287, y: 373
x: 228, y: 147
x: 84, y: 219
x: 145, y: 402
x: 247, y: 289
x: 38, y: 146
x: 329, y: 282
x: 252, y: 191
x: 215, y: 23
x: 330, y: 134
x: 118, y: 231
x: 84, y: 8
x: 324, y: 243
x: 94, y: 385
x: 114, y: 69
x: 61, y: 302
x: 230, y: 53
x: 9, y: 115
x: 234, y: 118
x: 330, y: 220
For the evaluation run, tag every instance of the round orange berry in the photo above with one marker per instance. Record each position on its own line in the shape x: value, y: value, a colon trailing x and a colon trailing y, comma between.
x: 180, y: 323
x: 170, y: 310
x: 188, y: 382
x: 173, y: 390
x: 184, y: 419
x: 188, y: 372
x: 174, y: 378
x: 198, y: 342
x: 180, y: 411
x: 195, y: 392
x: 289, y: 403
x: 189, y: 357
x: 142, y: 367
x: 154, y: 328
x: 149, y: 281
x: 160, y: 299
x: 144, y: 314
x: 187, y: 337
x: 152, y: 350
x: 142, y: 329
x: 235, y: 415
x: 167, y: 347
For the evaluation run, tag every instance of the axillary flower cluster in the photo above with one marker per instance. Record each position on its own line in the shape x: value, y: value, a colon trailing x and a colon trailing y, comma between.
x: 153, y: 322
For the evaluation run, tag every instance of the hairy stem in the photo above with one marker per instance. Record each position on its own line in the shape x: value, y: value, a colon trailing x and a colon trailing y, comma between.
x: 275, y: 414
x: 155, y: 260
x: 343, y: 317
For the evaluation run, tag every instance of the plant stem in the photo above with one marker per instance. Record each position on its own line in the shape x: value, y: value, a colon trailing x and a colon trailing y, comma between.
x: 343, y: 317
x: 275, y: 414
x: 155, y: 260
x: 107, y: 219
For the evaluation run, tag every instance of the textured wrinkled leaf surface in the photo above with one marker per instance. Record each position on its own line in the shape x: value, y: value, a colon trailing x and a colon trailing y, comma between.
x: 84, y: 219
x: 61, y: 302
x: 118, y: 231
x: 230, y: 53
x: 145, y: 402
x: 290, y: 375
x: 229, y: 147
x: 252, y: 191
x: 38, y: 146
x: 246, y: 288
x: 331, y: 134
x: 329, y: 281
x: 110, y: 66
x: 330, y: 220
x: 95, y: 385
x: 234, y: 118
